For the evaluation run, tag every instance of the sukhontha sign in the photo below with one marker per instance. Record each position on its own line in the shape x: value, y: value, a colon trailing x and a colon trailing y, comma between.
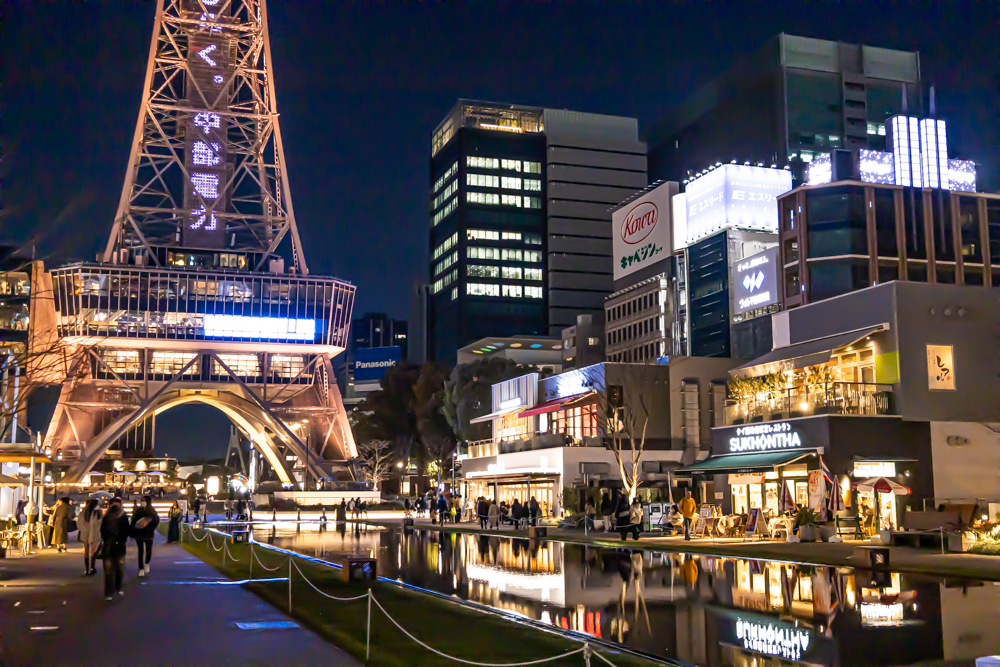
x: 765, y: 437
x: 641, y: 231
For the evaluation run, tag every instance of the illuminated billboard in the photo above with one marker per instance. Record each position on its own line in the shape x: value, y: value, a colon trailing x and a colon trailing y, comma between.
x: 755, y: 281
x: 371, y: 363
x: 876, y: 167
x: 732, y: 195
x: 641, y: 231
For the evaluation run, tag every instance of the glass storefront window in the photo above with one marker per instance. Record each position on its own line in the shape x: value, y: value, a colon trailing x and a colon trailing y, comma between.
x: 771, y: 497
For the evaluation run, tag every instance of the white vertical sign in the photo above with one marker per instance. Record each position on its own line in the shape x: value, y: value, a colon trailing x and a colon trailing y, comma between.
x: 940, y: 368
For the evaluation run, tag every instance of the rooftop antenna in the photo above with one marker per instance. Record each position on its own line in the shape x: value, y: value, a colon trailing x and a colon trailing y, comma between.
x: 905, y: 109
x: 933, y: 104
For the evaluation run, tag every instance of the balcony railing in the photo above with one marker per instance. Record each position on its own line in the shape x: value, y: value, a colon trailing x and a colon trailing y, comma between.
x: 836, y: 398
x: 490, y: 447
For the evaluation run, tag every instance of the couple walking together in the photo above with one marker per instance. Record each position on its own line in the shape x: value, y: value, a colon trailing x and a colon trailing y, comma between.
x: 106, y: 537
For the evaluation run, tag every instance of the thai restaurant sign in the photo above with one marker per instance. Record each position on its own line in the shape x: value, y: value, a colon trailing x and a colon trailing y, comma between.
x: 641, y: 231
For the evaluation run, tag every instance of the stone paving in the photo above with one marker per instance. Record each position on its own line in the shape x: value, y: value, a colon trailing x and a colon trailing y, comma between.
x: 50, y: 614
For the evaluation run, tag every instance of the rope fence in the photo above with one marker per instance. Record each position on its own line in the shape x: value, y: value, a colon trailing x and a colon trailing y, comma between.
x: 586, y: 651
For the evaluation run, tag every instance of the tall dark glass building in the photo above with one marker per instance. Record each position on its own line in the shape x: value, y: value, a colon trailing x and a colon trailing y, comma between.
x: 804, y: 97
x: 520, y: 233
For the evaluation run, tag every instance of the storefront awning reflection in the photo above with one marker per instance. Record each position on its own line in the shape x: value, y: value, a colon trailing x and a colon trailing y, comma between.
x: 743, y: 463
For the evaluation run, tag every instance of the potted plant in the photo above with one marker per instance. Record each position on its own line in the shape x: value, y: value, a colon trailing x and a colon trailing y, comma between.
x: 805, y: 520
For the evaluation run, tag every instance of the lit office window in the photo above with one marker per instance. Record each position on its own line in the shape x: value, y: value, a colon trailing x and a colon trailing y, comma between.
x: 445, y: 281
x: 446, y: 245
x: 512, y: 254
x: 476, y: 252
x: 533, y: 184
x: 510, y: 183
x: 484, y: 234
x: 171, y: 363
x: 482, y: 289
x: 482, y: 180
x: 533, y: 239
x: 532, y: 202
x: 532, y: 167
x: 513, y: 290
x: 510, y: 200
x: 533, y: 292
x: 446, y: 263
x: 482, y: 271
x: 286, y: 365
x: 511, y: 236
x: 121, y: 361
x: 532, y: 274
x: 454, y: 293
x: 482, y: 198
x: 243, y: 365
x: 444, y: 178
x: 482, y: 162
x: 532, y: 256
x: 445, y: 194
x: 448, y: 209
x: 512, y: 272
x: 512, y: 165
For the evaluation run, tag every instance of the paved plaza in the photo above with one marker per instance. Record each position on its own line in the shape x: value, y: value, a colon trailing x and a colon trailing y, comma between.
x: 50, y: 614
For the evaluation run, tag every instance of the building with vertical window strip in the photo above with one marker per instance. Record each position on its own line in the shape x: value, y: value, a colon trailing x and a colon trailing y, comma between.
x: 519, y: 241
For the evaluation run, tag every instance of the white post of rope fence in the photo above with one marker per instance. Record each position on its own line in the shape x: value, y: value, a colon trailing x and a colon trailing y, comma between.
x: 586, y: 655
x: 368, y: 636
x: 289, y: 584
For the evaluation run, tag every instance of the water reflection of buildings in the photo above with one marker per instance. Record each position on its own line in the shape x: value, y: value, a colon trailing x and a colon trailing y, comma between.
x: 699, y: 610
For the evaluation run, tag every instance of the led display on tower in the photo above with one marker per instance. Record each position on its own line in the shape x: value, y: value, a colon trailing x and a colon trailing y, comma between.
x: 934, y: 153
x: 207, y: 184
x: 905, y: 138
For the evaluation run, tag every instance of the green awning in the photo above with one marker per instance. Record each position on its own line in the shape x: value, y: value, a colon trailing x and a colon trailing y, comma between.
x: 728, y: 464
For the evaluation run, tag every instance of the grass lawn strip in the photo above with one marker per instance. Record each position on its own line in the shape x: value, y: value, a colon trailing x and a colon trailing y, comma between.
x: 461, y: 632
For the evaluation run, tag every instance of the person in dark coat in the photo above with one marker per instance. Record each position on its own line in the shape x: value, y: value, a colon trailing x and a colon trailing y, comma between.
x: 144, y: 523
x: 533, y: 507
x: 174, y: 515
x: 482, y: 512
x: 607, y: 509
x: 442, y: 507
x: 516, y: 513
x: 342, y: 511
x: 114, y: 540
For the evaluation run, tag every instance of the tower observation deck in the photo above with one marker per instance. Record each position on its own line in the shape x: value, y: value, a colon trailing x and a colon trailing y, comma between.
x: 203, y: 293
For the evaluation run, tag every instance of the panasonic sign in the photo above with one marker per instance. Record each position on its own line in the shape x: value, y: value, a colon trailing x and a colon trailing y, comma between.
x: 755, y: 281
x: 371, y: 363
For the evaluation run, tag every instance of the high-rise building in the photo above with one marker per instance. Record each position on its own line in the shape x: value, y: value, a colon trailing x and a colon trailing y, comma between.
x: 804, y: 97
x: 378, y: 330
x: 519, y: 237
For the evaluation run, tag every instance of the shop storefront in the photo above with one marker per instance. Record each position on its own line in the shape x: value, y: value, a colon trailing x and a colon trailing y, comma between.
x: 508, y: 486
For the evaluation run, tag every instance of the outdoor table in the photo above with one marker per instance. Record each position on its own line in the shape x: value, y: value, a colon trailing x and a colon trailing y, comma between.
x: 780, y: 523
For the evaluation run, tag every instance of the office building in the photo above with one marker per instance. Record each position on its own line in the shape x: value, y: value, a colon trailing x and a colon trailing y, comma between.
x: 383, y: 343
x: 519, y: 238
x: 583, y: 343
x: 870, y: 217
x: 791, y: 101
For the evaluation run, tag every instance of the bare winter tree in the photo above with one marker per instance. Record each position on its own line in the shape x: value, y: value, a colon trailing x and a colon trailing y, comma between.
x: 376, y: 456
x: 623, y: 411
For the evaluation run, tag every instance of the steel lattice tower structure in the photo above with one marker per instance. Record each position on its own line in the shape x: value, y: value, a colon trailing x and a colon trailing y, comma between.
x: 206, y: 167
x: 192, y: 300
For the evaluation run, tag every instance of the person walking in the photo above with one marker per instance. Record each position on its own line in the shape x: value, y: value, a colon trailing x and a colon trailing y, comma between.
x: 114, y: 541
x: 144, y: 523
x: 442, y: 508
x: 516, y: 513
x: 59, y: 522
x: 482, y: 511
x: 493, y: 513
x: 533, y: 507
x: 689, y: 509
x: 589, y: 513
x: 607, y: 509
x: 174, y: 528
x: 89, y: 525
x: 633, y: 524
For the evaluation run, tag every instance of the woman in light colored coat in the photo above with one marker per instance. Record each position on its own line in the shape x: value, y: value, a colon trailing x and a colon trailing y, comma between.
x: 494, y: 515
x: 89, y: 524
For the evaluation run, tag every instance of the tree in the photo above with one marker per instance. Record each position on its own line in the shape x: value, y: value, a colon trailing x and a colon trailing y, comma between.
x: 623, y: 410
x: 467, y: 393
x: 377, y: 458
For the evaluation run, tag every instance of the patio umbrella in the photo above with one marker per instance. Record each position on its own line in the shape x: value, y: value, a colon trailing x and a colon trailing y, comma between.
x: 7, y: 480
x: 155, y: 473
x: 785, y: 502
x: 881, y: 485
x: 100, y: 494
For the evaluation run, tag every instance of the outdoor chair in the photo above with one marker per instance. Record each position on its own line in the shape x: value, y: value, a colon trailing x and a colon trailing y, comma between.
x: 849, y: 526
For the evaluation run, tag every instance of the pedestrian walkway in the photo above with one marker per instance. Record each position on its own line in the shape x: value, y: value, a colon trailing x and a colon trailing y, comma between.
x: 179, y: 614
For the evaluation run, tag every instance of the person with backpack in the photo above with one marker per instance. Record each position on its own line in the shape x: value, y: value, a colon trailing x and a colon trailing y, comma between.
x: 114, y: 540
x: 144, y: 523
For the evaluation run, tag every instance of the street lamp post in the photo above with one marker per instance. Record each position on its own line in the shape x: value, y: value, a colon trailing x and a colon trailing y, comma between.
x: 454, y: 457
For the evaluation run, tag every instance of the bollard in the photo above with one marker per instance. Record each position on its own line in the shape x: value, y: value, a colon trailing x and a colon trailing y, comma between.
x: 274, y: 514
x: 298, y: 516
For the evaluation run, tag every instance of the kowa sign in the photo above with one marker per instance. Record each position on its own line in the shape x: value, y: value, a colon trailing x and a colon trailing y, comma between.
x: 641, y: 231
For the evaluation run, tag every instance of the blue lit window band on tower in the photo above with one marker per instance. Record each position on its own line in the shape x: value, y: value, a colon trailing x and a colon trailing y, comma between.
x: 206, y: 190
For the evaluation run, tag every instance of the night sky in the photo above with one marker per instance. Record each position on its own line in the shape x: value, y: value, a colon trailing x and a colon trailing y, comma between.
x: 361, y: 86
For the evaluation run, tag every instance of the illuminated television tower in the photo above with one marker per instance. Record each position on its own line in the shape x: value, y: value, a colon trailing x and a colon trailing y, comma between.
x: 203, y: 293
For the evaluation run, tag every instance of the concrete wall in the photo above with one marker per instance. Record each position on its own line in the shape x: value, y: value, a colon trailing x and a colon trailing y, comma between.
x: 966, y: 460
